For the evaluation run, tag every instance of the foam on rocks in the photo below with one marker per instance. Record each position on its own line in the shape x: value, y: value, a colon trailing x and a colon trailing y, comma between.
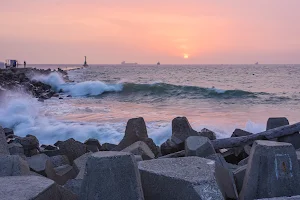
x: 272, y: 171
x: 111, y: 176
x: 189, y: 178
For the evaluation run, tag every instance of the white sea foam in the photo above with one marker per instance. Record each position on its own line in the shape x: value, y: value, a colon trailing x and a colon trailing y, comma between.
x: 87, y: 88
x: 219, y: 91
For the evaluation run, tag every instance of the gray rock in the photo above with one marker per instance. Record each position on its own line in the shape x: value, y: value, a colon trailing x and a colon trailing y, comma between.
x: 111, y: 175
x: 59, y: 160
x: 239, y: 175
x: 74, y: 185
x: 188, y: 178
x: 272, y: 171
x: 293, y: 139
x: 198, y: 146
x: 239, y: 133
x: 16, y: 149
x: 3, y: 143
x: 13, y: 165
x: 37, y: 163
x: 27, y: 188
x: 243, y: 162
x: 51, y: 153
x: 208, y: 133
x: 8, y: 131
x: 140, y: 148
x: 63, y: 174
x: 79, y: 165
x: 277, y: 122
x: 181, y: 130
x: 72, y: 149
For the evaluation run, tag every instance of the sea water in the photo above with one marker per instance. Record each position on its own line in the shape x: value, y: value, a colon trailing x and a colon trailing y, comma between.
x: 104, y: 97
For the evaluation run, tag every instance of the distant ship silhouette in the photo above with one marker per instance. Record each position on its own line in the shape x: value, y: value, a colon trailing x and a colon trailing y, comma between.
x: 158, y: 63
x: 125, y: 63
x: 256, y: 63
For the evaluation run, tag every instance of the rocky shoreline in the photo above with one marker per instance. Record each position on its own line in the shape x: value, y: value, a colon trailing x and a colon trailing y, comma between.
x: 21, y: 79
x: 190, y: 165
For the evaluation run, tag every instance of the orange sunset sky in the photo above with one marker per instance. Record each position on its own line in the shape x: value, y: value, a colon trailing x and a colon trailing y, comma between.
x: 148, y: 31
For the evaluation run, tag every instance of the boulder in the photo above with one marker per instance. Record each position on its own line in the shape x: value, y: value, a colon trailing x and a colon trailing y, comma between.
x: 37, y: 163
x: 51, y: 153
x: 181, y: 130
x: 272, y: 171
x: 57, y: 143
x: 283, y: 198
x: 118, y: 170
x: 79, y: 165
x: 93, y: 145
x: 72, y: 149
x: 293, y: 139
x: 65, y: 194
x: 59, y: 160
x: 30, y: 144
x: 243, y: 162
x: 27, y: 188
x: 239, y: 133
x: 16, y: 149
x: 208, y: 133
x: 277, y: 122
x: 63, y: 174
x: 13, y: 165
x: 135, y: 131
x: 140, y: 148
x: 239, y: 175
x: 3, y: 143
x: 198, y: 146
x: 50, y: 147
x: 179, y: 178
x: 107, y: 147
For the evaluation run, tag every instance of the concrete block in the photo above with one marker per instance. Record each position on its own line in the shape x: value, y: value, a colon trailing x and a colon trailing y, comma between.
x: 107, y: 147
x: 74, y: 185
x: 140, y: 148
x: 65, y: 194
x: 208, y: 133
x: 27, y: 188
x: 277, y: 122
x: 30, y: 144
x: 239, y: 133
x: 16, y: 149
x: 59, y: 160
x: 111, y: 175
x: 243, y: 162
x: 293, y: 139
x: 37, y: 163
x: 174, y: 155
x: 3, y: 143
x: 282, y: 198
x: 198, y: 146
x: 272, y: 171
x: 79, y: 165
x: 239, y: 175
x: 63, y: 174
x: 93, y: 145
x: 72, y: 149
x: 13, y: 165
x: 188, y: 178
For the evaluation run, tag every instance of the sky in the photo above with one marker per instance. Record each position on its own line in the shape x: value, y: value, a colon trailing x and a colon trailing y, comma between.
x: 148, y: 31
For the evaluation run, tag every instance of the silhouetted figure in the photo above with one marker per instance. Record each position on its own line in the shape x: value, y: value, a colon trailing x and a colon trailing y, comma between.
x: 24, y: 64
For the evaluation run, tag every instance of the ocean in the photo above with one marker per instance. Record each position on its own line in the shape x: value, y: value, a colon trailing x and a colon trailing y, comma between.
x: 104, y: 97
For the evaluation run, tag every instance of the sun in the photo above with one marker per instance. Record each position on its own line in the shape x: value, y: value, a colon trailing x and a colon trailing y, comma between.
x: 185, y: 56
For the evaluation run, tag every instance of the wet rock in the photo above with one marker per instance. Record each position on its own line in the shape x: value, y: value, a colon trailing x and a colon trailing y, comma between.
x: 277, y: 122
x: 272, y: 171
x: 104, y: 167
x: 207, y: 133
x: 13, y: 165
x: 181, y: 130
x: 198, y: 146
x: 179, y: 178
x: 28, y: 187
x: 140, y: 148
x: 72, y: 149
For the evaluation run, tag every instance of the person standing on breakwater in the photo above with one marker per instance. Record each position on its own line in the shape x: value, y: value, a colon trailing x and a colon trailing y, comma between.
x: 24, y: 64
